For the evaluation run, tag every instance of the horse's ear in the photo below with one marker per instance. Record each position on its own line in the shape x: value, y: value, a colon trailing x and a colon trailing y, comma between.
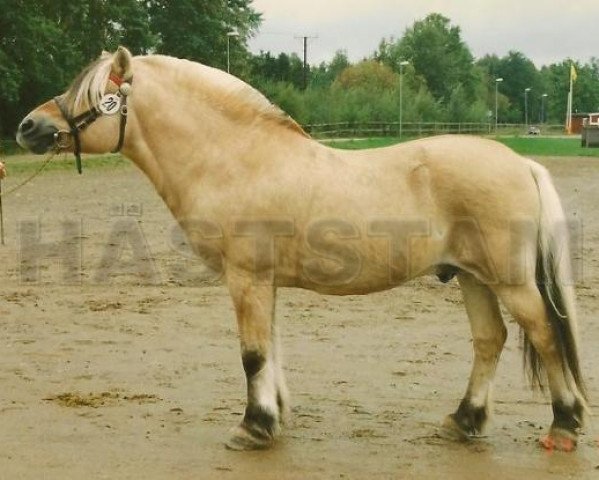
x: 121, y: 63
x: 105, y: 54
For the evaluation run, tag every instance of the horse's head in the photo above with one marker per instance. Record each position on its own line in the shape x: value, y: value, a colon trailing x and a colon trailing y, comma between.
x: 90, y: 116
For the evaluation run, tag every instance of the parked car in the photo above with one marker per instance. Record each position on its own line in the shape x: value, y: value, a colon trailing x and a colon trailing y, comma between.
x: 534, y: 130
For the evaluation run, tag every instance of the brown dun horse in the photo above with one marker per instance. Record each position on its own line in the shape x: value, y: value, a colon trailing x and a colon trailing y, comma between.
x: 270, y: 207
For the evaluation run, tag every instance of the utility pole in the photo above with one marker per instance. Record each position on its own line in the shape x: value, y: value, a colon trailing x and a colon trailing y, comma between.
x: 305, y: 39
x: 305, y: 83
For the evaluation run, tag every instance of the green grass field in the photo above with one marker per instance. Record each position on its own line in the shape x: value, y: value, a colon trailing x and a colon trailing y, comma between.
x: 26, y: 164
x: 557, y: 147
x: 532, y: 146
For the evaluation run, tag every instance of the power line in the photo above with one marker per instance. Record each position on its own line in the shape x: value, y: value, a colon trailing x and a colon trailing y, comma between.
x: 279, y: 34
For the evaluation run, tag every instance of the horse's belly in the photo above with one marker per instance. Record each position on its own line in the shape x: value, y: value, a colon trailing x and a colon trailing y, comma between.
x: 357, y: 267
x: 360, y: 285
x: 334, y: 257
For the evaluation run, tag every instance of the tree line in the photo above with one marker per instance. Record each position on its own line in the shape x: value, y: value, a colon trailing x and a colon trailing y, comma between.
x: 441, y: 82
x: 45, y: 43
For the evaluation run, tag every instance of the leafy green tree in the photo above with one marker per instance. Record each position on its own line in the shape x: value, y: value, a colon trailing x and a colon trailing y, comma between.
x: 518, y: 73
x: 585, y: 91
x: 325, y: 74
x: 265, y: 68
x: 96, y: 25
x: 585, y: 98
x: 458, y: 106
x: 197, y: 29
x: 488, y: 68
x: 423, y: 107
x: 37, y: 59
x: 339, y: 63
x: 367, y: 74
x: 435, y: 49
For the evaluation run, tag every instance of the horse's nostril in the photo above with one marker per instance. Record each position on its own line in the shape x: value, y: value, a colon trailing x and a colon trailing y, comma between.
x: 27, y: 126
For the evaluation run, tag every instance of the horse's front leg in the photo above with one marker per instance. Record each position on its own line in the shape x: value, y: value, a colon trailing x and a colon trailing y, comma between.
x: 254, y: 307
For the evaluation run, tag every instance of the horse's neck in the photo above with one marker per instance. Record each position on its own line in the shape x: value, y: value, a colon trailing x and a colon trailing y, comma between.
x: 183, y: 140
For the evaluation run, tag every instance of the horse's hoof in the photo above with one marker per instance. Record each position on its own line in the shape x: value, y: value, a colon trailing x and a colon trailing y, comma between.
x: 560, y: 440
x: 450, y: 430
x: 244, y: 439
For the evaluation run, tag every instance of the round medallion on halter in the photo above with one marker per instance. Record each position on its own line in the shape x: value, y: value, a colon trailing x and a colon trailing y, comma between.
x: 110, y: 104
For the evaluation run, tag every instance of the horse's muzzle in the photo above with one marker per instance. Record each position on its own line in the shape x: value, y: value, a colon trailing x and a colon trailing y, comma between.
x: 36, y: 135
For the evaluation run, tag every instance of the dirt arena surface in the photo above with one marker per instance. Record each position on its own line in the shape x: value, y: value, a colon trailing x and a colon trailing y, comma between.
x: 135, y: 372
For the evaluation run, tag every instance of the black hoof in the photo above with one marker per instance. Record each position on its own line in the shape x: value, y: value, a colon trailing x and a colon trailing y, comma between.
x: 257, y: 431
x: 567, y: 418
x: 450, y: 430
x: 468, y: 421
x: 244, y: 439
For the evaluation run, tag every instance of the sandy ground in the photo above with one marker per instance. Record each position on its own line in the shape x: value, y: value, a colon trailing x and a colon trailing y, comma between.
x: 135, y: 373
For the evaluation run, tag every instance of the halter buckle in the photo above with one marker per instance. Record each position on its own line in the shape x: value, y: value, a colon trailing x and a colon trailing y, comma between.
x: 63, y: 139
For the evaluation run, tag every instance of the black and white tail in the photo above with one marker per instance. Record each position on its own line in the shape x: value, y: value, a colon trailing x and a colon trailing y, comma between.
x: 555, y: 282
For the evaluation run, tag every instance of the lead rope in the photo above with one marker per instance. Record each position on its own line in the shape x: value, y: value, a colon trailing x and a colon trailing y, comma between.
x: 45, y: 163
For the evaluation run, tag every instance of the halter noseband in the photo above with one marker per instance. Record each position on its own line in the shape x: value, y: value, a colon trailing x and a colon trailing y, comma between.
x: 80, y: 122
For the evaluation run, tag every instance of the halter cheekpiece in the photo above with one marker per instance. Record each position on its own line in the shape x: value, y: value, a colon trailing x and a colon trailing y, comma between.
x: 110, y: 104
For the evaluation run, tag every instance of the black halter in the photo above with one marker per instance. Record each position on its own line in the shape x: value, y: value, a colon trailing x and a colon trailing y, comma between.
x: 80, y: 122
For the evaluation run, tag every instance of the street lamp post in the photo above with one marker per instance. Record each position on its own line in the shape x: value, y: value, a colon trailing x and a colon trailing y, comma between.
x: 233, y: 33
x: 526, y: 90
x: 543, y: 97
x: 401, y: 65
x: 497, y: 82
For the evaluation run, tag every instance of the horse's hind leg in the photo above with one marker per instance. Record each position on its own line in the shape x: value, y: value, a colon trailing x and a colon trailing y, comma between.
x: 254, y: 307
x: 488, y: 334
x: 526, y: 305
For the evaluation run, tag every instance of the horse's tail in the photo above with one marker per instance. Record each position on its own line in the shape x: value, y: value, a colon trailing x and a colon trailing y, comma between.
x: 555, y: 282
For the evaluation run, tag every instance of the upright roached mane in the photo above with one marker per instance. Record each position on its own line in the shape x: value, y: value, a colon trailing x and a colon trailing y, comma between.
x: 89, y: 86
x: 231, y: 93
x: 277, y: 208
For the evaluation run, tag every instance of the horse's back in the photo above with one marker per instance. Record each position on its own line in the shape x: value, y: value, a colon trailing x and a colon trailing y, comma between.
x: 461, y: 175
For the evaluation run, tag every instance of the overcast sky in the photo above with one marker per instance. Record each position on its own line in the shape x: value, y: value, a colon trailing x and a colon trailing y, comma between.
x: 546, y: 31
